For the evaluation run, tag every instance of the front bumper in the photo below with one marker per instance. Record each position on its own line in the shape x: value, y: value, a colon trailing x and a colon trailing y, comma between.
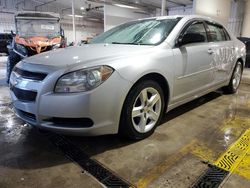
x: 101, y: 106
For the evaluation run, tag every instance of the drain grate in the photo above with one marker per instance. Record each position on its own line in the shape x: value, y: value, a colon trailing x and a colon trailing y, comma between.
x: 212, y: 178
x: 226, y: 164
x: 94, y: 168
x: 5, y: 104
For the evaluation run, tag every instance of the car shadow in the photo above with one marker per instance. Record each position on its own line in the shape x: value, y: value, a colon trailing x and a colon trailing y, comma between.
x: 31, y: 148
x: 96, y: 145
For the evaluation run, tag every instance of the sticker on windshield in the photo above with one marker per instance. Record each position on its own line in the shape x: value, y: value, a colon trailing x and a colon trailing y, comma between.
x: 48, y: 27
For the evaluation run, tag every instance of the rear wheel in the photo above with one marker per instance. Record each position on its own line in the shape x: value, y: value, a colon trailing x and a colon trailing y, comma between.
x: 142, y: 110
x: 235, y: 80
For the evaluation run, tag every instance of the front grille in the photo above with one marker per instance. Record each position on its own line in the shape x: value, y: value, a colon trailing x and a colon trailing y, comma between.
x: 30, y: 75
x: 72, y: 122
x: 26, y: 115
x: 34, y: 52
x: 24, y: 95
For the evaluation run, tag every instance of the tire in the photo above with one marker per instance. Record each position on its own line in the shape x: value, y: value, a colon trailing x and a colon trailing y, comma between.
x: 12, y: 60
x: 147, y: 101
x: 235, y: 79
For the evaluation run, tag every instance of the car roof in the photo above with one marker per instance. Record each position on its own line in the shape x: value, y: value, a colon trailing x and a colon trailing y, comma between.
x: 186, y: 17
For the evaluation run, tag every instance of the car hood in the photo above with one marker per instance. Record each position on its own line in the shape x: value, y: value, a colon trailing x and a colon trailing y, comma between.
x: 89, y: 55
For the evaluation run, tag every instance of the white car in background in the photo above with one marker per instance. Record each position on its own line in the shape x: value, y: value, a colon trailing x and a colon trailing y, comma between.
x: 127, y: 77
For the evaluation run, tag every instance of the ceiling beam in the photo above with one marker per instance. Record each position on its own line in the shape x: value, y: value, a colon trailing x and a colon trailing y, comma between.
x: 44, y: 4
x: 176, y: 3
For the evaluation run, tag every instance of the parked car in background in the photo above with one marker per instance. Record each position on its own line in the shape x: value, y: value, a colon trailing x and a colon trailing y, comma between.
x: 5, y: 39
x: 127, y: 77
x: 36, y: 32
x: 246, y: 41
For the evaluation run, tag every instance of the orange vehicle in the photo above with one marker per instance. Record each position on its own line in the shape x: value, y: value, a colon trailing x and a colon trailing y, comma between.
x: 36, y: 32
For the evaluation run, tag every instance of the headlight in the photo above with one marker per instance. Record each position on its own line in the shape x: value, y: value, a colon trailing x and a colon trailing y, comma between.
x: 56, y: 46
x: 83, y: 80
x: 21, y: 50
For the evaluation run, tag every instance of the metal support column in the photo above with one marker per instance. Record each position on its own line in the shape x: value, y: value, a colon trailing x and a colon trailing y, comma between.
x: 73, y: 19
x: 163, y: 7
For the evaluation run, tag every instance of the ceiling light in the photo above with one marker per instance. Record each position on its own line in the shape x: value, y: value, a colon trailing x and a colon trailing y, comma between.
x: 82, y: 8
x: 125, y: 6
x: 93, y: 19
x: 77, y: 16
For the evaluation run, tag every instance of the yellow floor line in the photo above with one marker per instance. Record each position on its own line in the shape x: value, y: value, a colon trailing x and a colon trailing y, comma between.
x: 158, y: 170
x: 238, y: 155
x: 231, y: 159
x: 244, y: 167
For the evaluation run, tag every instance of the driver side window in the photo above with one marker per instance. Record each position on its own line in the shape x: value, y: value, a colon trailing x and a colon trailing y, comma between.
x: 197, y: 28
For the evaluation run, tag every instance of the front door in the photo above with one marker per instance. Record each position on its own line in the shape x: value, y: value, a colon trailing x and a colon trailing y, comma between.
x: 193, y: 64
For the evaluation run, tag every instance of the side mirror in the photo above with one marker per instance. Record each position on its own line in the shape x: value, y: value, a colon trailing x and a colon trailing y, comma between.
x: 191, y: 38
x: 12, y: 33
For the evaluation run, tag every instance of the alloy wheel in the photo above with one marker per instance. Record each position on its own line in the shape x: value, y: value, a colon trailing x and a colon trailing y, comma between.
x: 237, y: 76
x: 146, y: 110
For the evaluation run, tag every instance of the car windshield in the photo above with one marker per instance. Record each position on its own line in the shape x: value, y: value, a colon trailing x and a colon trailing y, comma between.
x: 44, y: 28
x: 142, y: 32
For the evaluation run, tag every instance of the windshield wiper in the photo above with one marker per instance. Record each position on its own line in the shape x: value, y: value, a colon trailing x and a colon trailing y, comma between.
x: 126, y: 43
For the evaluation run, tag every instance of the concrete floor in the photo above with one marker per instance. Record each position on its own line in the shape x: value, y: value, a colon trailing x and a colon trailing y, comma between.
x: 174, y: 156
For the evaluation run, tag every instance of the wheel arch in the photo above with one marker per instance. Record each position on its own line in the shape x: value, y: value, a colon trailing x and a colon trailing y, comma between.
x: 161, y: 80
x: 157, y: 77
x: 240, y: 59
x: 154, y: 76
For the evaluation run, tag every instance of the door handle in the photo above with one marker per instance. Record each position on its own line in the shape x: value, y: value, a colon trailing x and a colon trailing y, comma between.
x: 210, y: 51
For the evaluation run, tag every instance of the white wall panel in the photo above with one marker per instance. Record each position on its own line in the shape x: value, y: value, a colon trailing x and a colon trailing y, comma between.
x: 6, y: 22
x: 236, y: 17
x: 181, y: 10
x: 82, y: 31
x: 114, y: 16
x: 246, y: 22
x: 217, y: 9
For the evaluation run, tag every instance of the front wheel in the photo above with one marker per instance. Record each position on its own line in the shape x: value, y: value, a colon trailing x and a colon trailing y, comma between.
x: 235, y: 79
x: 142, y: 110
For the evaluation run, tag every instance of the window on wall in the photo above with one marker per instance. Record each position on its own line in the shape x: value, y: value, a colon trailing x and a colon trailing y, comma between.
x: 216, y: 33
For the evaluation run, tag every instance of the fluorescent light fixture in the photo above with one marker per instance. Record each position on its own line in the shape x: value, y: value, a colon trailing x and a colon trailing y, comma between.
x: 82, y: 8
x: 77, y: 16
x: 125, y: 6
x: 94, y: 19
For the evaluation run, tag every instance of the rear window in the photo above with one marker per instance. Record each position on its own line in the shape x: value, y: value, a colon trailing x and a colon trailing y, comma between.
x: 216, y: 33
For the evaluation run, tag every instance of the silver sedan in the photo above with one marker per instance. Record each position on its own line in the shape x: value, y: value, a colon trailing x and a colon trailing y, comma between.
x: 126, y: 78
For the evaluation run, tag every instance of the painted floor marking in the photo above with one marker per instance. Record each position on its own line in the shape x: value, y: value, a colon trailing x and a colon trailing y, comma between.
x: 226, y: 163
x: 235, y: 154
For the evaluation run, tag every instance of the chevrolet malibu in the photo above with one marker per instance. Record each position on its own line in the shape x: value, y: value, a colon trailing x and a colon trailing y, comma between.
x: 127, y: 77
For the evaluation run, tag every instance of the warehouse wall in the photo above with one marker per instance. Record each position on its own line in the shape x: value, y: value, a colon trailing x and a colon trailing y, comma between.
x: 83, y: 31
x: 246, y: 22
x: 7, y: 22
x: 114, y: 16
x: 181, y: 10
x: 217, y: 9
x: 235, y: 21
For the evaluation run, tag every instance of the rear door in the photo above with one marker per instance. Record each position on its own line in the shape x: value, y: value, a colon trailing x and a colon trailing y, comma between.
x: 193, y: 65
x: 222, y: 49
